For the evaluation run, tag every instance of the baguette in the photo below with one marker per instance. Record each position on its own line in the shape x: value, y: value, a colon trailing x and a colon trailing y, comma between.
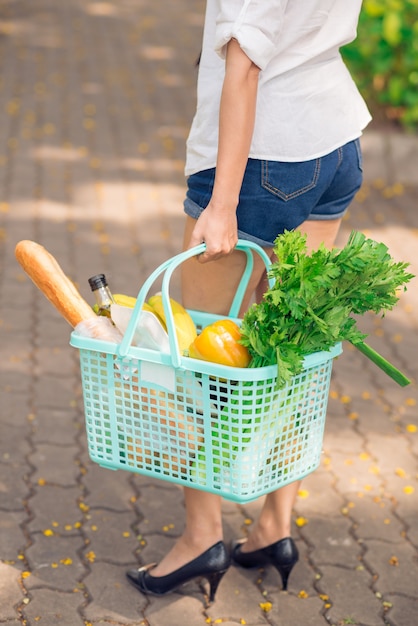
x: 48, y: 276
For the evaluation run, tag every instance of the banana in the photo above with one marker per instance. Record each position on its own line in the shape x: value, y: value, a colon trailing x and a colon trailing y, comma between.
x: 185, y: 327
x: 123, y: 300
x: 130, y: 302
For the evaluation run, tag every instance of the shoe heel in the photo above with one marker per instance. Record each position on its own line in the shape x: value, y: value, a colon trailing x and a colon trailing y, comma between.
x: 284, y: 571
x: 214, y: 580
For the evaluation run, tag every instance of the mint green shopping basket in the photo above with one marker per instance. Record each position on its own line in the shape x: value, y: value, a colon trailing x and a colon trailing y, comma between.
x: 220, y: 429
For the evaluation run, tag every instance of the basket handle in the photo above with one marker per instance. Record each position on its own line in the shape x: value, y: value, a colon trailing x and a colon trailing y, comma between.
x: 166, y: 269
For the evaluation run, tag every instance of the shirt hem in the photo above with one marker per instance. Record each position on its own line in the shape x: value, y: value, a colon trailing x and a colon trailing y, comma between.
x: 210, y: 163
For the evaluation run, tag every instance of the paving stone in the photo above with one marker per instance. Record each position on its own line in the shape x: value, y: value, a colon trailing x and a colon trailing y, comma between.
x: 395, y: 565
x: 292, y: 610
x: 354, y: 471
x: 55, y: 562
x: 56, y: 508
x: 108, y: 488
x: 106, y: 529
x: 374, y: 517
x: 54, y: 426
x: 12, y: 537
x: 56, y: 359
x: 13, y: 487
x: 10, y: 591
x: 15, y: 408
x: 51, y: 607
x: 318, y: 495
x: 159, y: 505
x: 351, y: 596
x: 54, y: 391
x: 403, y: 611
x: 55, y: 464
x: 112, y: 599
x: 13, y: 447
x: 176, y: 611
x: 332, y: 541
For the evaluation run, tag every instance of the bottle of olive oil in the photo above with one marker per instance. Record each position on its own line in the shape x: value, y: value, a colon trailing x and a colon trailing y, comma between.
x: 100, y: 288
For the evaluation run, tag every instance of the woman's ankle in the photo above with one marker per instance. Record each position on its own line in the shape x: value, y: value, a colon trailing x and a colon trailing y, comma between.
x: 185, y: 549
x: 263, y: 536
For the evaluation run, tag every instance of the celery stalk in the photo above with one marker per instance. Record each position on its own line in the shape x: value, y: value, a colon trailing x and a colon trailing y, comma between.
x: 381, y: 362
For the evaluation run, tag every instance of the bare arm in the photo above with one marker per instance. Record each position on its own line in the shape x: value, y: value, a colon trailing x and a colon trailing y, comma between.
x: 217, y: 226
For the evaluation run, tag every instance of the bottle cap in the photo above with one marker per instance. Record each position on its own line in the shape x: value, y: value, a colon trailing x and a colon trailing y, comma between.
x: 97, y: 281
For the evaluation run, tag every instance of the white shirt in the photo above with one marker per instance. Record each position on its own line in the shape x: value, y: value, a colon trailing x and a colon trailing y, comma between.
x: 307, y: 103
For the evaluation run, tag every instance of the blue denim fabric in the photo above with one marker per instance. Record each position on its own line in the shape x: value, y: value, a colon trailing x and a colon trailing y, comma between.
x: 277, y: 196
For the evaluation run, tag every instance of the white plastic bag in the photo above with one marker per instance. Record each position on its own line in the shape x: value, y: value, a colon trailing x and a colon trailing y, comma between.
x: 149, y: 332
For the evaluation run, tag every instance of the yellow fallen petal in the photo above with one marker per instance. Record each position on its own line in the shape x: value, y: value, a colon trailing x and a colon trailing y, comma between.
x: 409, y: 490
x: 301, y: 521
x: 266, y: 606
x: 400, y: 472
x: 303, y: 493
x: 90, y: 556
x: 302, y: 594
x: 411, y: 428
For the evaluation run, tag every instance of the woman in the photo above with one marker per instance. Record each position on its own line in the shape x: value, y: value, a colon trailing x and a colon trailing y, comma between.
x: 273, y: 146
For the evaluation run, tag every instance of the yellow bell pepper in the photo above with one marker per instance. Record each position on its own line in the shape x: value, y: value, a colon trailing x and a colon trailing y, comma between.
x: 219, y: 343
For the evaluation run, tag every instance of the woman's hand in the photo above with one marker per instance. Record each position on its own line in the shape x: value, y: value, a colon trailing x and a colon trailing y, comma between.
x: 217, y: 228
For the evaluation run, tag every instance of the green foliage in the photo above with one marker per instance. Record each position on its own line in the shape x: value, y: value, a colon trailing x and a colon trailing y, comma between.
x: 384, y: 59
x: 313, y: 299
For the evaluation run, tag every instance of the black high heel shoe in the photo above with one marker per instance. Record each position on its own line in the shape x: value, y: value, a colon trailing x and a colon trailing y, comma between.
x: 211, y: 565
x: 283, y: 555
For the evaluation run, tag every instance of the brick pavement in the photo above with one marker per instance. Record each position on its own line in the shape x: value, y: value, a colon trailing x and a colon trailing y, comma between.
x: 96, y: 98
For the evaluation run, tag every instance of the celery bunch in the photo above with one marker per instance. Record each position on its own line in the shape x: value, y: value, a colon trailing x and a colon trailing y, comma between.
x: 311, y: 305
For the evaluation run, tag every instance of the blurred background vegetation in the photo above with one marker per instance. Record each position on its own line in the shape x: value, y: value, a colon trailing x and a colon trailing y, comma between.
x: 384, y: 61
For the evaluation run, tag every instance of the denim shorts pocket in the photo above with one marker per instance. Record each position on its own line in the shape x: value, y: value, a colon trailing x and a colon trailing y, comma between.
x: 288, y: 180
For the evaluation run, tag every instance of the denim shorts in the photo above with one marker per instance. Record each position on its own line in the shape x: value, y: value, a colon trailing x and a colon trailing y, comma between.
x: 277, y: 196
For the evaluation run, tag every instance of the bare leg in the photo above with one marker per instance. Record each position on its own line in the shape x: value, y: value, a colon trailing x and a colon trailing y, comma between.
x: 274, y: 522
x: 203, y: 529
x: 208, y: 287
x: 320, y: 231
